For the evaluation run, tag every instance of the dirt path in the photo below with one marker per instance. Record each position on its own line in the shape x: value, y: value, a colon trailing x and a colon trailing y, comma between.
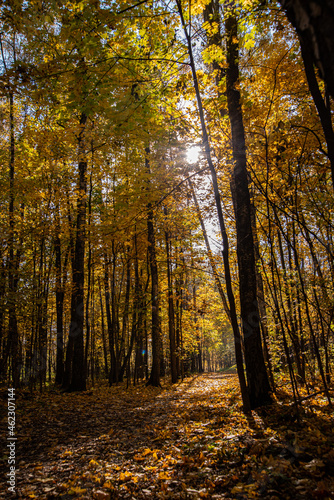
x: 186, y: 441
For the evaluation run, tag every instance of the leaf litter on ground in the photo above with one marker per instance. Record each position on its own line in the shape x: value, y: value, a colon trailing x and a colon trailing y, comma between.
x: 186, y: 441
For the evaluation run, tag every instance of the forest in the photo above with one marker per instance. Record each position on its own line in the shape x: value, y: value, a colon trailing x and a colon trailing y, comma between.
x: 167, y: 248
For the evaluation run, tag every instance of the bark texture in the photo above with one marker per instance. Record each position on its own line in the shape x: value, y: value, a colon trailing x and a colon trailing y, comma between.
x: 156, y: 341
x: 314, y: 23
x: 257, y: 378
x: 77, y: 380
x: 225, y: 251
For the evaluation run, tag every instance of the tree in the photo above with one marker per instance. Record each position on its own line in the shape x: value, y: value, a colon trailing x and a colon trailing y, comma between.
x: 257, y: 378
x: 314, y: 21
x: 225, y: 251
x: 154, y: 378
x: 76, y: 377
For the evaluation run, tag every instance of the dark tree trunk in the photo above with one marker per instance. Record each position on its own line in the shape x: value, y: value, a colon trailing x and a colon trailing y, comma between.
x: 178, y: 317
x: 89, y: 265
x: 110, y: 326
x: 76, y: 333
x: 3, y: 350
x: 127, y: 356
x: 114, y: 317
x: 42, y: 318
x: 171, y: 314
x: 125, y: 323
x: 257, y: 378
x: 69, y: 348
x: 154, y: 378
x: 104, y: 343
x: 324, y: 112
x: 137, y: 319
x: 13, y: 335
x: 225, y: 251
x: 59, y: 305
x: 314, y: 21
x: 199, y: 365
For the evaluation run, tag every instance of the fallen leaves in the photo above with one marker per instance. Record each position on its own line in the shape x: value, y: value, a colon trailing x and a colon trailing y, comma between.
x: 101, y: 495
x: 188, y: 441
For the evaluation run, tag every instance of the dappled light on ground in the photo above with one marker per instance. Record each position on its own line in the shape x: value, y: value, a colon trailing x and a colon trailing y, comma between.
x: 186, y: 441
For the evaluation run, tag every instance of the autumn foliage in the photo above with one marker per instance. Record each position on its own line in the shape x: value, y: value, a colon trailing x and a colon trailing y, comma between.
x: 125, y: 260
x: 189, y: 440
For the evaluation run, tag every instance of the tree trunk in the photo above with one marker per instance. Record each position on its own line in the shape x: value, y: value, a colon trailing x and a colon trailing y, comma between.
x: 104, y: 343
x: 171, y: 315
x: 225, y: 251
x: 42, y: 318
x: 257, y: 378
x: 76, y: 333
x: 139, y: 311
x: 59, y: 305
x: 154, y: 378
x: 89, y: 264
x: 13, y: 336
x: 3, y: 350
x: 324, y: 112
x: 125, y: 323
x: 199, y: 365
x: 314, y: 21
x: 178, y: 316
x: 111, y: 333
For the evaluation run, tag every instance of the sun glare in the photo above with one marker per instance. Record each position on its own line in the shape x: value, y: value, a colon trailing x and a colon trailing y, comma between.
x: 193, y: 154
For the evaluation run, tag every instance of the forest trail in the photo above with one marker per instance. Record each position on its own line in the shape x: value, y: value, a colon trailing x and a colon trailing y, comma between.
x: 186, y: 441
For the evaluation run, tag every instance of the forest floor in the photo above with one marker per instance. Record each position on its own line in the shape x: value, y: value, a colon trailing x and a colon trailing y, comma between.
x: 187, y: 441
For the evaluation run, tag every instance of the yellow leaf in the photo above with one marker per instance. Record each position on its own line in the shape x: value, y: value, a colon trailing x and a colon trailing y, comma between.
x: 93, y: 463
x: 237, y: 489
x: 125, y: 476
x: 108, y: 485
x: 164, y: 475
x: 77, y: 491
